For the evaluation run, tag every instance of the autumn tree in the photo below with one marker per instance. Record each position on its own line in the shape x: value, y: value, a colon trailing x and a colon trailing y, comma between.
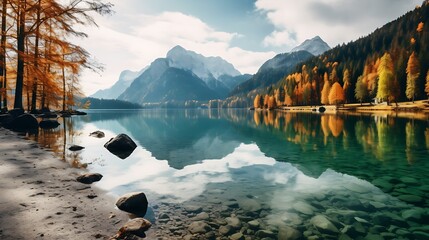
x: 361, y: 90
x: 257, y: 101
x: 49, y: 22
x: 336, y: 94
x: 271, y: 103
x: 413, y: 73
x: 386, y: 77
x: 325, y: 90
x: 347, y: 86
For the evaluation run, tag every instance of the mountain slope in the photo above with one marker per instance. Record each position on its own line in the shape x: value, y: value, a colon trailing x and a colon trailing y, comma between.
x: 272, y: 70
x: 178, y: 85
x: 315, y: 46
x: 204, y: 67
x: 183, y: 75
x: 125, y: 79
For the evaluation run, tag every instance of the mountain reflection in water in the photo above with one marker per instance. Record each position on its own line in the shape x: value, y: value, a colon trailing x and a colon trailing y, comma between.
x: 289, y: 166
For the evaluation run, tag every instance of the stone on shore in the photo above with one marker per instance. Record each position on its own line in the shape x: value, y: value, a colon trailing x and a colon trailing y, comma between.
x: 135, y: 203
x: 137, y: 226
x: 75, y: 148
x: 121, y: 145
x: 49, y: 124
x: 89, y: 178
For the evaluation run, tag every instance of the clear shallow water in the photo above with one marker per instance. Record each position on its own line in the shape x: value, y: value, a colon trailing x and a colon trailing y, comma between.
x: 323, y: 175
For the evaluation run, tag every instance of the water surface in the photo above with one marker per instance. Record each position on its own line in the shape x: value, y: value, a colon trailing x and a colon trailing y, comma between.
x: 362, y: 175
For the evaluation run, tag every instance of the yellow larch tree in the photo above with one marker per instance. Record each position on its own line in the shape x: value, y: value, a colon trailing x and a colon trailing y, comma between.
x: 336, y: 94
x: 413, y: 73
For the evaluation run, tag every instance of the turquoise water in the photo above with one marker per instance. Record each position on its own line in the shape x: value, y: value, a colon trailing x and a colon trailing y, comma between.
x: 313, y: 175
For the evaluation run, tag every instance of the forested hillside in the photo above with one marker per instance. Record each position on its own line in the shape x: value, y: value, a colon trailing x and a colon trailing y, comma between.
x: 391, y: 64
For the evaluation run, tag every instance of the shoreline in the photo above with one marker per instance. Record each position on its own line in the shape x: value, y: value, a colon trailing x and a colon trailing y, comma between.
x: 40, y: 198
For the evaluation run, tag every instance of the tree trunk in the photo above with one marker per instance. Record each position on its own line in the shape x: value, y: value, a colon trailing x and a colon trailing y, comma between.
x: 3, y: 82
x: 36, y: 59
x: 21, y: 52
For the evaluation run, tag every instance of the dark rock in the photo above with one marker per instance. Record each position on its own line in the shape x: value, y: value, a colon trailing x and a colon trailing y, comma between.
x: 371, y: 236
x: 133, y: 203
x: 89, y: 178
x: 49, y: 124
x: 79, y: 113
x: 421, y: 235
x: 65, y: 114
x: 265, y: 234
x: 16, y: 112
x: 411, y: 198
x: 137, y: 227
x: 97, y: 134
x: 24, y: 122
x: 322, y: 109
x: 6, y: 119
x: 75, y: 148
x: 48, y: 115
x: 122, y: 146
x: 199, y: 227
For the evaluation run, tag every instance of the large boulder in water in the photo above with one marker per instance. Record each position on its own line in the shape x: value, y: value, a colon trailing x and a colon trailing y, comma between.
x: 135, y: 203
x: 49, y: 124
x: 97, y: 134
x: 24, y: 122
x: 121, y: 145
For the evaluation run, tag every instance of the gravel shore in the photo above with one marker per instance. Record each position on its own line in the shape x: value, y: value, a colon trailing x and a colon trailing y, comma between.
x: 40, y: 198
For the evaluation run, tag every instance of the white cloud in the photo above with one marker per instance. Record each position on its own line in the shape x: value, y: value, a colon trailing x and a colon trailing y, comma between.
x: 120, y: 45
x: 336, y: 21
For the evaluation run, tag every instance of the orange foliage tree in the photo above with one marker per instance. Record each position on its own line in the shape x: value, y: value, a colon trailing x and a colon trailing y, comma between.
x: 336, y: 94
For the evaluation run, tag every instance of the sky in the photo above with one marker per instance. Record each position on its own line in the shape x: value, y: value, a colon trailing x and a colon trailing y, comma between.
x: 246, y: 33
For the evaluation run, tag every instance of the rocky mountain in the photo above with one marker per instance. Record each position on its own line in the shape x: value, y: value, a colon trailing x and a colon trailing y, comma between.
x: 272, y: 70
x: 125, y: 79
x: 205, y: 68
x: 315, y: 46
x: 184, y: 75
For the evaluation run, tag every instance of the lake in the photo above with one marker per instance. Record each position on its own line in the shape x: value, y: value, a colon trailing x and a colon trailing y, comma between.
x: 262, y: 175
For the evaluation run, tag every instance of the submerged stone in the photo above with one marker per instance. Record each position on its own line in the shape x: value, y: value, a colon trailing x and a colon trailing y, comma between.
x: 410, y: 198
x: 288, y: 233
x: 323, y: 224
x: 199, y: 227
